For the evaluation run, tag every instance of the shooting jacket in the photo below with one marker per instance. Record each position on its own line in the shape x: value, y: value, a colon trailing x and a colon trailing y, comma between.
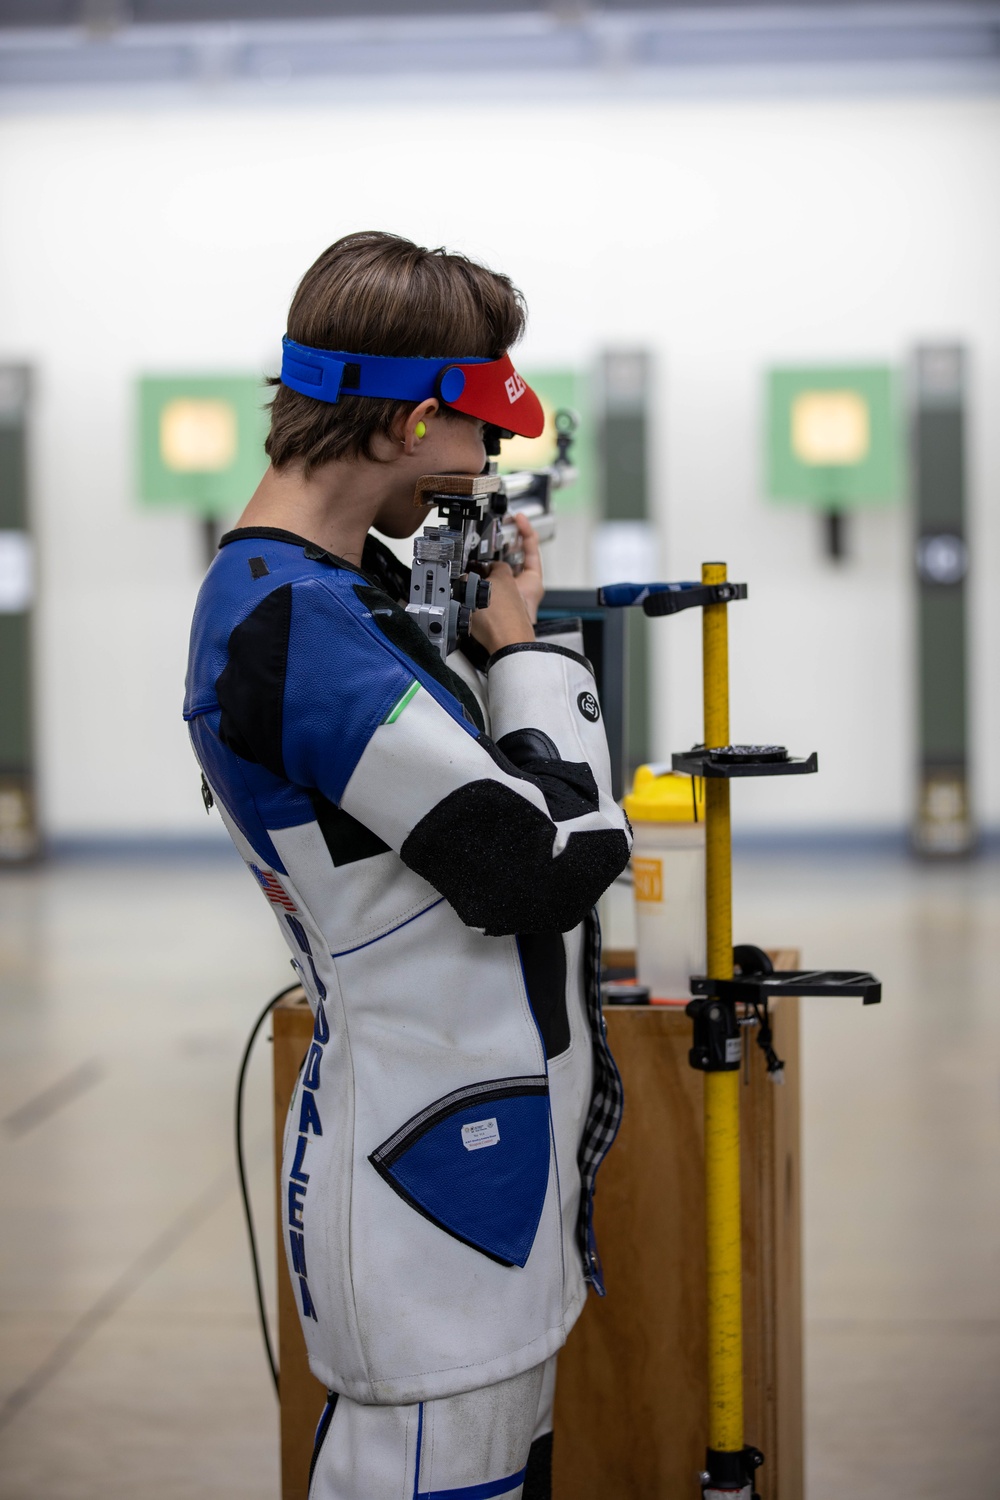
x: 431, y: 840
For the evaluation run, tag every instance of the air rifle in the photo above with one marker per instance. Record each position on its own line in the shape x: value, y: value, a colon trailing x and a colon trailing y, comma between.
x: 477, y: 528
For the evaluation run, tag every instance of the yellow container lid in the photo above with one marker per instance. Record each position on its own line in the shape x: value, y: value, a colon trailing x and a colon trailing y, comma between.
x: 660, y: 795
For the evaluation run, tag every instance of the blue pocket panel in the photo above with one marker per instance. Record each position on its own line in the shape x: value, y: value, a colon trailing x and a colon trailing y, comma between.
x: 479, y: 1169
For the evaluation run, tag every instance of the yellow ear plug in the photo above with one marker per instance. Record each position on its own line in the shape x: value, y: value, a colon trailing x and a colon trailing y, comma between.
x: 421, y: 429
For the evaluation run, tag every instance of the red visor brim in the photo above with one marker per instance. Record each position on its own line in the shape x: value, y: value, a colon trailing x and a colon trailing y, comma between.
x: 495, y: 393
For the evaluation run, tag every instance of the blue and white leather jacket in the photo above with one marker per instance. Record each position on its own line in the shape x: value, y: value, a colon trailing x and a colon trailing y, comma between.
x: 432, y: 840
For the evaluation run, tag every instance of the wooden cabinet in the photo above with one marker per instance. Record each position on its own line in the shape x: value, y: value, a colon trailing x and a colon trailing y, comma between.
x: 631, y: 1396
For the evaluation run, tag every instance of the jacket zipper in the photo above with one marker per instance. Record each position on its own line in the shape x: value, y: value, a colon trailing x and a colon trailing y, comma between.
x: 497, y: 1088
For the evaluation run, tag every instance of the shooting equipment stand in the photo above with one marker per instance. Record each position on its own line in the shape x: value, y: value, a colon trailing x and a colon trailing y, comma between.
x: 730, y: 1463
x: 722, y: 1006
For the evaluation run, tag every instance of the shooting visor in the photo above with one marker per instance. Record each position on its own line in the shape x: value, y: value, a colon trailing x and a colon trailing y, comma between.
x: 488, y: 389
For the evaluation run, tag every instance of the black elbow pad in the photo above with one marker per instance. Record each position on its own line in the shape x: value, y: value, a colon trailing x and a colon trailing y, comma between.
x: 489, y: 852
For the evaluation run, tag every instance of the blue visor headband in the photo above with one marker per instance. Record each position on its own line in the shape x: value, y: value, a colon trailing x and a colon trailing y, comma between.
x: 326, y: 375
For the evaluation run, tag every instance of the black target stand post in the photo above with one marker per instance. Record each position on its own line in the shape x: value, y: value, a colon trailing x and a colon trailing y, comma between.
x: 724, y: 1004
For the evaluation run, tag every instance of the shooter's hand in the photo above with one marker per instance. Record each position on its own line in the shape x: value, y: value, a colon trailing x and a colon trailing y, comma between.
x: 530, y: 583
x: 505, y: 621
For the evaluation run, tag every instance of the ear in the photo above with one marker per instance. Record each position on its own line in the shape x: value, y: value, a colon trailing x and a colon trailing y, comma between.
x: 404, y: 429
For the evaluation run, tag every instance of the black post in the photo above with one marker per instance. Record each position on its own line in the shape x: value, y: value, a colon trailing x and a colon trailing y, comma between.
x: 19, y: 834
x: 943, y: 823
x: 210, y: 539
x: 625, y: 390
x: 835, y: 534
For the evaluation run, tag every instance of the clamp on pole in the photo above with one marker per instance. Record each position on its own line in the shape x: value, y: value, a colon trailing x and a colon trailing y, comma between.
x: 730, y: 1476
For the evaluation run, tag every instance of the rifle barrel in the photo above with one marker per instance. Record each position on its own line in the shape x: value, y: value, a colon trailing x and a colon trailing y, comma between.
x: 524, y: 480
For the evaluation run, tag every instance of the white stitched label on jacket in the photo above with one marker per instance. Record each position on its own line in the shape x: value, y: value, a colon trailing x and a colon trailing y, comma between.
x: 480, y: 1133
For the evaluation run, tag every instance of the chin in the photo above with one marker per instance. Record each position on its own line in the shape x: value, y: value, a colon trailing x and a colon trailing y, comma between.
x: 400, y: 527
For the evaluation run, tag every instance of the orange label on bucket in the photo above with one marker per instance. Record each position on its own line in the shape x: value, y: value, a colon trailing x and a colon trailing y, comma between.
x: 648, y: 877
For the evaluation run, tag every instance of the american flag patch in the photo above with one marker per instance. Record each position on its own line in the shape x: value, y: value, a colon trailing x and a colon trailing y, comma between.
x: 273, y: 889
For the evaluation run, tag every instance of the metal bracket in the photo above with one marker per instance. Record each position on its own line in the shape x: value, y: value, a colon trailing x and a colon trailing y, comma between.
x: 752, y: 988
x: 728, y: 761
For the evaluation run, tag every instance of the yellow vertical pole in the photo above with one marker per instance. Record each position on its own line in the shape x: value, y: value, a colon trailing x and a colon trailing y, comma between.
x: 722, y: 1113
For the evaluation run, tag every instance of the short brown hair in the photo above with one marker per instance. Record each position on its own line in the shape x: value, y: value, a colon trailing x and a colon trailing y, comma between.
x: 376, y: 293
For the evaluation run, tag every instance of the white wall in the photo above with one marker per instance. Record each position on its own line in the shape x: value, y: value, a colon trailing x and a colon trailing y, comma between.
x: 724, y: 236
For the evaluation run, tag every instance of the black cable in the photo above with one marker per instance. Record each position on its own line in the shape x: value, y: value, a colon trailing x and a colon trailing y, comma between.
x: 241, y: 1170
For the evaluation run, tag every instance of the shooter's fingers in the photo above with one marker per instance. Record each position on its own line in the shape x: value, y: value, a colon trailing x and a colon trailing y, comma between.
x: 506, y: 620
x: 532, y: 551
x: 530, y: 582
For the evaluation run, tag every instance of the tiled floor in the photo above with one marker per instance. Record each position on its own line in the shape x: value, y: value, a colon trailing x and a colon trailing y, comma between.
x: 901, y: 1171
x: 130, y: 1362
